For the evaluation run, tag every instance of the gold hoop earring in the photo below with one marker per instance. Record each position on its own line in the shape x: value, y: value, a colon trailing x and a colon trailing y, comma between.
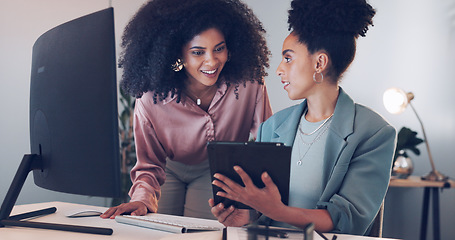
x: 178, y: 65
x: 316, y: 81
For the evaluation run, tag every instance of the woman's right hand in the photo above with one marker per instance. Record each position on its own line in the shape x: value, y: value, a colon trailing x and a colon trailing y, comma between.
x: 134, y: 208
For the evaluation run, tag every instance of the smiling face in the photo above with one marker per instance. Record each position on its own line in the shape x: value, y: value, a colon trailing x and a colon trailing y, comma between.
x: 297, y: 68
x: 204, y: 57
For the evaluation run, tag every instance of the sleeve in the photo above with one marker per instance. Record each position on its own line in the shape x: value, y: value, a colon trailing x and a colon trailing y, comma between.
x: 148, y: 174
x: 364, y: 185
x: 263, y: 110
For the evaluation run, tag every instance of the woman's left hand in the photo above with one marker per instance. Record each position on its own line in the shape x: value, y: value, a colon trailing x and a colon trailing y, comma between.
x: 231, y: 216
x: 266, y: 200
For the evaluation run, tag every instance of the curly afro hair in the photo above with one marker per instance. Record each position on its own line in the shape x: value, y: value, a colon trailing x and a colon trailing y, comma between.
x: 154, y: 38
x: 333, y: 26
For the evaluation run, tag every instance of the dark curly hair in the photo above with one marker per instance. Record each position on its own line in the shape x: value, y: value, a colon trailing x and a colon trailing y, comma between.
x: 154, y: 38
x: 333, y: 26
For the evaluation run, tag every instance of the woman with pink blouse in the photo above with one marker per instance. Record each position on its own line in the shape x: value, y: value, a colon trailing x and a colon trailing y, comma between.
x: 196, y: 69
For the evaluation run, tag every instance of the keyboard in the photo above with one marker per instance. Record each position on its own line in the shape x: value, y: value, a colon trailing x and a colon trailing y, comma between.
x: 170, y: 223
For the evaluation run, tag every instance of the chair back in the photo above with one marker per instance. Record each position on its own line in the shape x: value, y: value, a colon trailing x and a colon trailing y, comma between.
x: 376, y: 226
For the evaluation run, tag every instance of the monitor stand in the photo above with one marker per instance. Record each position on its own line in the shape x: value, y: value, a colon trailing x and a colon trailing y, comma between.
x: 34, y: 162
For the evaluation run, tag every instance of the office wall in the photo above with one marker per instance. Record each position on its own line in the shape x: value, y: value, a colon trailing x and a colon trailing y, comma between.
x: 411, y: 46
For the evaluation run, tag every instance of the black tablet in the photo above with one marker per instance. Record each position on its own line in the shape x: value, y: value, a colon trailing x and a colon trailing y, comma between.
x: 255, y: 158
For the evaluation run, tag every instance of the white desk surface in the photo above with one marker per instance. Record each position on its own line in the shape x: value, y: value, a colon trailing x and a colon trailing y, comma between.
x: 120, y: 231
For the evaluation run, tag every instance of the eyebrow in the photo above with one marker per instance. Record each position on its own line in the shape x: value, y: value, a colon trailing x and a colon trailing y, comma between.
x: 198, y: 47
x: 286, y: 51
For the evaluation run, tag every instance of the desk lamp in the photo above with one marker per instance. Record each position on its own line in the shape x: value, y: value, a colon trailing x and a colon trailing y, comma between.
x: 395, y: 101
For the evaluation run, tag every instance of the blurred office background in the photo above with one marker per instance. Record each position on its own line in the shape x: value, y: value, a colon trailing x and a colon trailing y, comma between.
x: 411, y: 46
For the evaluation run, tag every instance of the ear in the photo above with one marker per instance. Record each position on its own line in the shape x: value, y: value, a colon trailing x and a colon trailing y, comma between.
x: 322, y: 61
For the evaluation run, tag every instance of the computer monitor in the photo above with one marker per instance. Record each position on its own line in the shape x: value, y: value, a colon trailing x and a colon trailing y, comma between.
x: 74, y: 135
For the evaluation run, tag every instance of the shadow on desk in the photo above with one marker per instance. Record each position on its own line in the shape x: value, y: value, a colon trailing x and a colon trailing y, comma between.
x: 121, y: 231
x: 241, y: 234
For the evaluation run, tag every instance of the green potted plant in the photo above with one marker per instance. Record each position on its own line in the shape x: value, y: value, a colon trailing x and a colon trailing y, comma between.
x: 402, y: 164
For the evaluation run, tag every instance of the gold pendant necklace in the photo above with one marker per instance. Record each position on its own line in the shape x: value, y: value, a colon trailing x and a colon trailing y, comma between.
x: 198, y: 99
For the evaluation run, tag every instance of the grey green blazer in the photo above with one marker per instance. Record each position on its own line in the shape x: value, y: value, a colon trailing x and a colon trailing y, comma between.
x: 357, y: 164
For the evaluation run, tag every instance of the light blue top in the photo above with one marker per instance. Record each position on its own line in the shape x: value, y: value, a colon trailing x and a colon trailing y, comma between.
x: 357, y: 162
x: 306, y: 184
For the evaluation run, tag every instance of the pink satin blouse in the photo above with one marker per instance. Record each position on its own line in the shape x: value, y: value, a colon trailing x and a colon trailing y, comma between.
x: 171, y: 131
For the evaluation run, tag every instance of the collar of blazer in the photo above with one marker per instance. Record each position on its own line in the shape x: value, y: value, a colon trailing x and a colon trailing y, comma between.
x: 342, y: 124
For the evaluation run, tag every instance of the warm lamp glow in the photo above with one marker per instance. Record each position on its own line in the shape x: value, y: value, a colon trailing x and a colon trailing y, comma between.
x: 396, y: 100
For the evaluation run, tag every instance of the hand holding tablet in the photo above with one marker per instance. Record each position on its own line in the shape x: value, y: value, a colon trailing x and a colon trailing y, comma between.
x: 254, y: 158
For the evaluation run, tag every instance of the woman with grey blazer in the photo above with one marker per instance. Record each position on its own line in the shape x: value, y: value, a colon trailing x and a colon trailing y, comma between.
x: 342, y: 151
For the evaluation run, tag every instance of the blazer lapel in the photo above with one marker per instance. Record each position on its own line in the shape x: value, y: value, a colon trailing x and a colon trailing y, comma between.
x: 287, y: 130
x: 341, y: 127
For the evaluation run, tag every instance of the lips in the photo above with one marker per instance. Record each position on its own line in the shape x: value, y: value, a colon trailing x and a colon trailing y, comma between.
x: 209, y: 71
x: 285, y: 83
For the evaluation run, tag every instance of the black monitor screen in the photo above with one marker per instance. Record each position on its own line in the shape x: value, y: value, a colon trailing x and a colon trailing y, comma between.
x: 73, y: 107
